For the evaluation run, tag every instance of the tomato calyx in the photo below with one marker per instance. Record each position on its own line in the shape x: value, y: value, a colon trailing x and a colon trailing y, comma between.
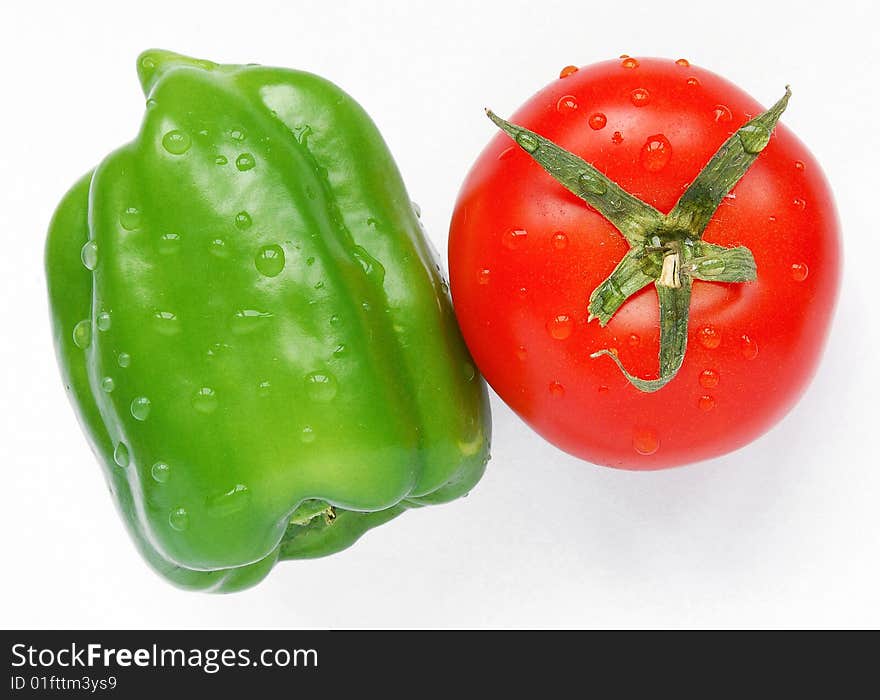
x: 665, y: 249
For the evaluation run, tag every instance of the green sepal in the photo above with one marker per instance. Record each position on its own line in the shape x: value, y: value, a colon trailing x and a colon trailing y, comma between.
x: 674, y: 307
x: 630, y: 215
x: 630, y: 275
x: 698, y: 204
x: 719, y: 264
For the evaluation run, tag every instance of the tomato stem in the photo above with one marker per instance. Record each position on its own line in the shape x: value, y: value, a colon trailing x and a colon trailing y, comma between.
x: 667, y: 250
x: 670, y: 273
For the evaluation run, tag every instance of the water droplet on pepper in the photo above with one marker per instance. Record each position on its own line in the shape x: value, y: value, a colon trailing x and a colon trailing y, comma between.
x: 160, y: 472
x: 82, y: 334
x: 120, y: 455
x: 179, y: 519
x: 140, y: 408
x: 130, y: 218
x: 89, y: 255
x: 205, y: 400
x: 270, y: 260
x: 176, y: 142
x: 245, y: 162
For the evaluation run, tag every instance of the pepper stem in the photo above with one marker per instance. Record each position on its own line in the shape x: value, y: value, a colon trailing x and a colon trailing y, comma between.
x: 667, y: 250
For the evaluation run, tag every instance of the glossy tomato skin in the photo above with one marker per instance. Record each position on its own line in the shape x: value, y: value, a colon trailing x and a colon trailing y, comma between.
x: 525, y: 254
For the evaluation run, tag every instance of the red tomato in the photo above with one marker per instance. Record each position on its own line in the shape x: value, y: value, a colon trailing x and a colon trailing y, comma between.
x: 525, y: 255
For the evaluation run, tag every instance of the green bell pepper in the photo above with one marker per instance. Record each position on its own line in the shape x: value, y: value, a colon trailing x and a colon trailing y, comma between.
x: 253, y: 328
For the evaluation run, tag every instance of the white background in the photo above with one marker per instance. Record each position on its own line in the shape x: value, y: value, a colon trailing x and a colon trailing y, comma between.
x: 783, y: 533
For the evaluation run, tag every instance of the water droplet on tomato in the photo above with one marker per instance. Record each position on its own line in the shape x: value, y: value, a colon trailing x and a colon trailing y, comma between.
x: 567, y: 71
x: 591, y: 183
x: 229, y: 502
x: 521, y: 292
x: 640, y: 97
x: 709, y: 337
x: 270, y: 260
x: 140, y: 408
x: 89, y: 255
x: 655, y: 153
x: 645, y: 441
x: 616, y: 137
x: 722, y: 113
x: 799, y: 272
x: 603, y: 389
x: 634, y: 340
x: 683, y: 62
x: 566, y: 103
x: 176, y: 142
x: 709, y: 379
x: 706, y: 403
x: 748, y: 348
x: 527, y: 142
x: 560, y: 327
x: 597, y: 121
x: 629, y: 62
x: 754, y: 138
x: 483, y: 276
x: 800, y: 203
x: 560, y: 240
x: 521, y: 353
x: 557, y: 390
x: 514, y: 238
x: 799, y: 165
x: 693, y: 82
